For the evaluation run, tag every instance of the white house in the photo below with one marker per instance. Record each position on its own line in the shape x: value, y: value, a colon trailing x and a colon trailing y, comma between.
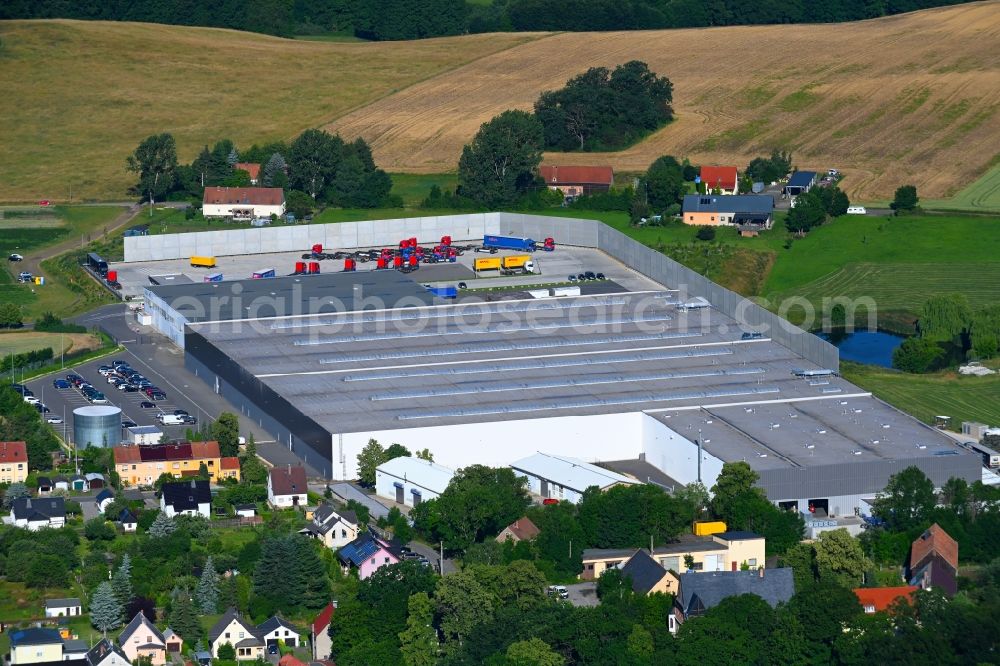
x: 563, y: 477
x: 409, y: 481
x: 243, y: 203
x: 233, y: 629
x: 190, y: 498
x: 104, y: 499
x: 36, y: 513
x: 334, y: 528
x: 107, y: 653
x: 63, y: 607
x: 321, y: 643
x: 127, y: 520
x: 286, y: 486
x: 276, y: 629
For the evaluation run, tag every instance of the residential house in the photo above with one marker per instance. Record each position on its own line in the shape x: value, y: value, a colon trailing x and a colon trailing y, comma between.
x: 276, y: 629
x: 751, y: 211
x: 409, y: 480
x: 190, y: 498
x: 565, y: 478
x: 720, y: 179
x: 574, y: 181
x: 879, y: 599
x: 141, y: 638
x: 334, y: 528
x: 44, y: 485
x: 142, y: 465
x: 233, y: 629
x: 35, y: 646
x: 321, y: 643
x: 521, y: 529
x: 251, y: 168
x: 127, y: 520
x: 95, y: 480
x: 933, y: 561
x: 368, y: 554
x: 727, y: 551
x: 34, y: 513
x: 699, y: 592
x: 104, y: 499
x: 74, y: 648
x: 800, y: 183
x: 229, y: 468
x: 107, y: 653
x: 646, y: 575
x: 63, y: 607
x: 243, y: 203
x: 13, y: 462
x: 174, y: 643
x: 286, y: 486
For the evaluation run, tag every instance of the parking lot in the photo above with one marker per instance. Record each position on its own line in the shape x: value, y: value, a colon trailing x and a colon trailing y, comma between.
x: 62, y: 401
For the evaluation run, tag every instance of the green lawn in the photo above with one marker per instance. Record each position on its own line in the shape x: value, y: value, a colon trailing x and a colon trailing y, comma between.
x: 982, y: 196
x: 926, y: 396
x: 414, y: 187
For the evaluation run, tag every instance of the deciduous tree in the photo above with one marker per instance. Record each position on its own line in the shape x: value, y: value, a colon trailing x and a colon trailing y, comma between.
x: 907, y: 501
x: 499, y: 165
x: 905, y: 199
x: 155, y: 161
x: 533, y: 652
x: 371, y: 456
x: 418, y: 642
x: 226, y: 431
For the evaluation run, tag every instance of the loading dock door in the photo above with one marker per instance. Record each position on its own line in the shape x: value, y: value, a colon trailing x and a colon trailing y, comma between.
x: 544, y: 491
x: 399, y: 492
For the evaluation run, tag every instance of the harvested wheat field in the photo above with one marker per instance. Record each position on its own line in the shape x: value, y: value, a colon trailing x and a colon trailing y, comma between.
x: 906, y: 99
x: 78, y: 96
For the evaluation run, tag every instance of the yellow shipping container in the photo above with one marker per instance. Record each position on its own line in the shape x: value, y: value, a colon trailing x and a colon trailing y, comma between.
x: 709, y: 527
x: 203, y: 262
x: 516, y: 261
x: 489, y: 264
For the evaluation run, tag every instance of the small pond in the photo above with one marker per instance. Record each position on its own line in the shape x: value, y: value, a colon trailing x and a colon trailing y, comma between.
x: 871, y: 347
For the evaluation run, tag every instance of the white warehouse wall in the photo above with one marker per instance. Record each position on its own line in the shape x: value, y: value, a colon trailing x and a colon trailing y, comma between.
x: 497, y: 444
x: 676, y: 455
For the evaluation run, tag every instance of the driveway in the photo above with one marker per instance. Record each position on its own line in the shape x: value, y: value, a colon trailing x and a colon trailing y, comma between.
x: 346, y: 491
x: 583, y: 594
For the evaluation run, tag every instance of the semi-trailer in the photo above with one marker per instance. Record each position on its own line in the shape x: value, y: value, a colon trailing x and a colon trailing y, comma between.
x: 509, y: 243
x: 203, y: 262
x: 265, y: 273
x: 515, y: 261
x: 487, y: 264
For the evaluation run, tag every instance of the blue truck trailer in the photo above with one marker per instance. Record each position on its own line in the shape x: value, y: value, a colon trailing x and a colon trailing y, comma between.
x: 509, y: 243
x: 444, y: 292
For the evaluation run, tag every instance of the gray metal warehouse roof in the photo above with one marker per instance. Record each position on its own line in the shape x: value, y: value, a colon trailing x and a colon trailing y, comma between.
x: 292, y: 295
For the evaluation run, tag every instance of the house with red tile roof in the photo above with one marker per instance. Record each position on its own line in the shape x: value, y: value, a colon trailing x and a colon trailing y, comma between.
x: 286, y: 486
x: 933, y: 561
x: 878, y: 599
x: 243, y: 203
x: 574, y: 181
x: 321, y: 643
x: 251, y: 168
x: 720, y: 179
x: 521, y: 529
x: 13, y: 462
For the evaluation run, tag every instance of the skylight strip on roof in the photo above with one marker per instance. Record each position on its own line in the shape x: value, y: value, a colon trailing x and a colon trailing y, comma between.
x: 583, y: 404
x: 486, y: 347
x: 562, y: 383
x: 534, y: 364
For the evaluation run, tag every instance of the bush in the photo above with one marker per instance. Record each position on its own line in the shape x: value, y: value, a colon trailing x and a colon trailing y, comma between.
x: 917, y: 355
x: 49, y: 323
x: 706, y: 233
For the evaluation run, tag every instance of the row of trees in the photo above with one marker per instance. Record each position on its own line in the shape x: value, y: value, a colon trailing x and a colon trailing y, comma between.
x: 815, y: 207
x: 604, y: 109
x: 320, y: 168
x: 948, y: 322
x: 405, y: 19
x: 21, y: 422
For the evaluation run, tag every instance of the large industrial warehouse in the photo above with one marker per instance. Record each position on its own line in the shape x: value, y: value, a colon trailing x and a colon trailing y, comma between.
x: 650, y: 374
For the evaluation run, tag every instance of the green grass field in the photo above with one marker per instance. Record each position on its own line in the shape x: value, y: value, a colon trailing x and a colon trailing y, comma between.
x: 413, y: 188
x: 982, y: 196
x: 24, y: 341
x: 926, y: 396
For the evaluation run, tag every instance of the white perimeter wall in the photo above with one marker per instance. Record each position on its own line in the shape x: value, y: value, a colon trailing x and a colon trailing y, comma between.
x: 677, y: 455
x: 238, y: 239
x: 497, y: 444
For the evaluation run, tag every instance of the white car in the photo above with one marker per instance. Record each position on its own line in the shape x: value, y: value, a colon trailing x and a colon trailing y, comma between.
x: 15, y: 257
x: 31, y: 400
x: 54, y: 420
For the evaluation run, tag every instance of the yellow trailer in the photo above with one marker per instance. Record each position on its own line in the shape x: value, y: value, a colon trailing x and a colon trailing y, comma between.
x: 488, y: 264
x: 516, y: 260
x: 203, y: 262
x: 709, y: 527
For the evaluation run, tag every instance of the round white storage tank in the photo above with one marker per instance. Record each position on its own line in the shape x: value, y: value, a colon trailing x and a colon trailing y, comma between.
x: 97, y: 425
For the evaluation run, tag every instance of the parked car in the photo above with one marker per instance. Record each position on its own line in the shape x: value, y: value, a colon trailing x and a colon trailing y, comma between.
x: 42, y: 408
x: 157, y: 395
x: 60, y: 383
x: 128, y: 423
x: 145, y: 404
x: 600, y: 276
x: 572, y: 278
x: 31, y: 400
x: 550, y: 500
x: 44, y: 202
x: 590, y: 275
x: 181, y: 412
x: 559, y: 591
x: 54, y: 420
x: 15, y: 257
x: 24, y: 276
x: 130, y: 388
